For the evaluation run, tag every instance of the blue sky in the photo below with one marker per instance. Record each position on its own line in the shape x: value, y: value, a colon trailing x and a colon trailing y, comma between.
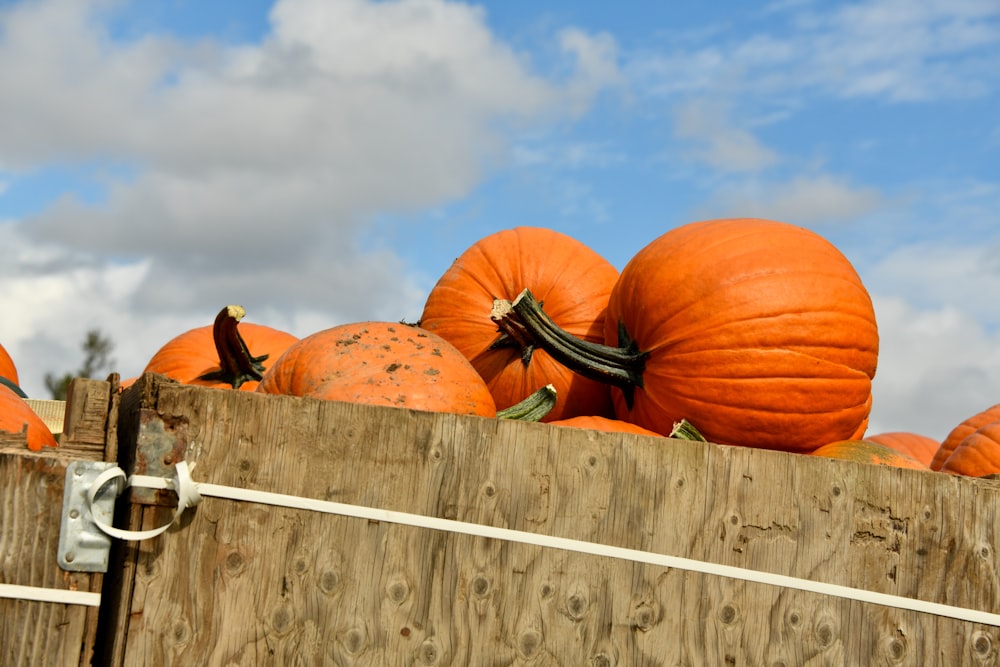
x: 324, y: 161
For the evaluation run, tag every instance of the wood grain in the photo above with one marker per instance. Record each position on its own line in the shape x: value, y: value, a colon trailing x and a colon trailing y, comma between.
x: 31, y: 496
x: 32, y: 632
x: 248, y: 584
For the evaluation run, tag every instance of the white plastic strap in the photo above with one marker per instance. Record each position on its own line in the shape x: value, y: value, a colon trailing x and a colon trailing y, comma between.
x: 187, y: 493
x: 59, y: 595
x: 191, y: 492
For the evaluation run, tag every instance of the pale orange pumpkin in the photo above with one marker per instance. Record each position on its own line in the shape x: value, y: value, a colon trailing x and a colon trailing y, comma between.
x: 867, y: 451
x: 381, y: 363
x: 921, y: 447
x: 602, y: 423
x: 961, y: 431
x: 978, y: 454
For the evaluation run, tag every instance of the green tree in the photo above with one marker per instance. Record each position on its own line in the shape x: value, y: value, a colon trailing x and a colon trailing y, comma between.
x: 97, y: 350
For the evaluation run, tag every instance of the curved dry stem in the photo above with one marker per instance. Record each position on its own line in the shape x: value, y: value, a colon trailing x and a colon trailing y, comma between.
x: 618, y: 366
x: 236, y: 364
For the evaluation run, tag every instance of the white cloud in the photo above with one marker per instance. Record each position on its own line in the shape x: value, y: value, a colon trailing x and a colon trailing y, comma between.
x: 249, y: 171
x: 578, y: 155
x: 937, y: 367
x: 802, y: 200
x: 942, y: 275
x: 717, y: 142
x: 888, y: 49
x: 596, y: 57
x: 348, y: 108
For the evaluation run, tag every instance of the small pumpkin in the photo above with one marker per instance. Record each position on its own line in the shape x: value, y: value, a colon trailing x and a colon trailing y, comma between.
x: 961, y: 431
x: 17, y: 417
x: 978, y: 454
x: 229, y: 354
x: 760, y: 332
x: 602, y: 423
x: 570, y: 278
x: 920, y: 447
x: 867, y: 451
x: 381, y: 363
x: 7, y: 368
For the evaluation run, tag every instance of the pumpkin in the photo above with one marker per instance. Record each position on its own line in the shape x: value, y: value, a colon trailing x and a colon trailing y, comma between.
x: 760, y: 332
x: 978, y: 454
x: 220, y: 355
x: 7, y: 368
x: 961, y: 431
x: 867, y: 451
x: 381, y: 363
x: 602, y: 423
x: 920, y: 447
x: 17, y: 417
x: 572, y: 280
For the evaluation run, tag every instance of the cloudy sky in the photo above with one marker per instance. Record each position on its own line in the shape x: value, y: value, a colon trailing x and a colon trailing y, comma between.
x: 323, y: 161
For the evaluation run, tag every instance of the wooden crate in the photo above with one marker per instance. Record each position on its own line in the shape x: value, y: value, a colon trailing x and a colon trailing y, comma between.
x: 244, y: 583
x: 36, y: 632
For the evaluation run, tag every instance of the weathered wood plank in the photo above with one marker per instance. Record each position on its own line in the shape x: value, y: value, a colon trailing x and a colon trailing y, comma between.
x: 31, y: 496
x: 91, y: 408
x: 34, y: 632
x: 241, y: 583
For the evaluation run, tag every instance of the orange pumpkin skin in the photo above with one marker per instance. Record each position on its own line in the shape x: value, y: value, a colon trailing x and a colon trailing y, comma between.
x: 601, y: 423
x: 961, y: 432
x: 760, y: 332
x: 571, y: 279
x: 920, y: 447
x: 7, y: 368
x: 978, y: 454
x: 16, y: 416
x: 381, y: 363
x: 191, y: 355
x: 866, y: 451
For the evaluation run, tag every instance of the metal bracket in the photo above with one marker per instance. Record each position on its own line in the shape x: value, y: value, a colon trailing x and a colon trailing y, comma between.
x: 83, y: 547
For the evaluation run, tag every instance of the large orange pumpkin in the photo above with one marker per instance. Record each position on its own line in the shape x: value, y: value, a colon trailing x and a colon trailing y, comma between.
x: 867, y: 451
x: 978, y: 454
x: 572, y: 280
x: 961, y: 431
x: 16, y: 416
x: 760, y: 332
x: 920, y: 447
x: 7, y: 368
x: 229, y: 354
x: 381, y: 363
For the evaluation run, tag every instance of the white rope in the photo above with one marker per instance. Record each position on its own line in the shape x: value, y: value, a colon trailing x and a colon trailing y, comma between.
x: 190, y: 494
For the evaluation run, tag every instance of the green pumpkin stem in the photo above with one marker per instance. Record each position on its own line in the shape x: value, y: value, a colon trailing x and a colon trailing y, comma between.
x: 621, y: 366
x: 236, y: 364
x: 532, y: 408
x: 685, y: 430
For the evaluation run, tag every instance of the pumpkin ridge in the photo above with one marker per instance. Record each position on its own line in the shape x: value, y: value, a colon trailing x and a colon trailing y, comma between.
x: 961, y: 431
